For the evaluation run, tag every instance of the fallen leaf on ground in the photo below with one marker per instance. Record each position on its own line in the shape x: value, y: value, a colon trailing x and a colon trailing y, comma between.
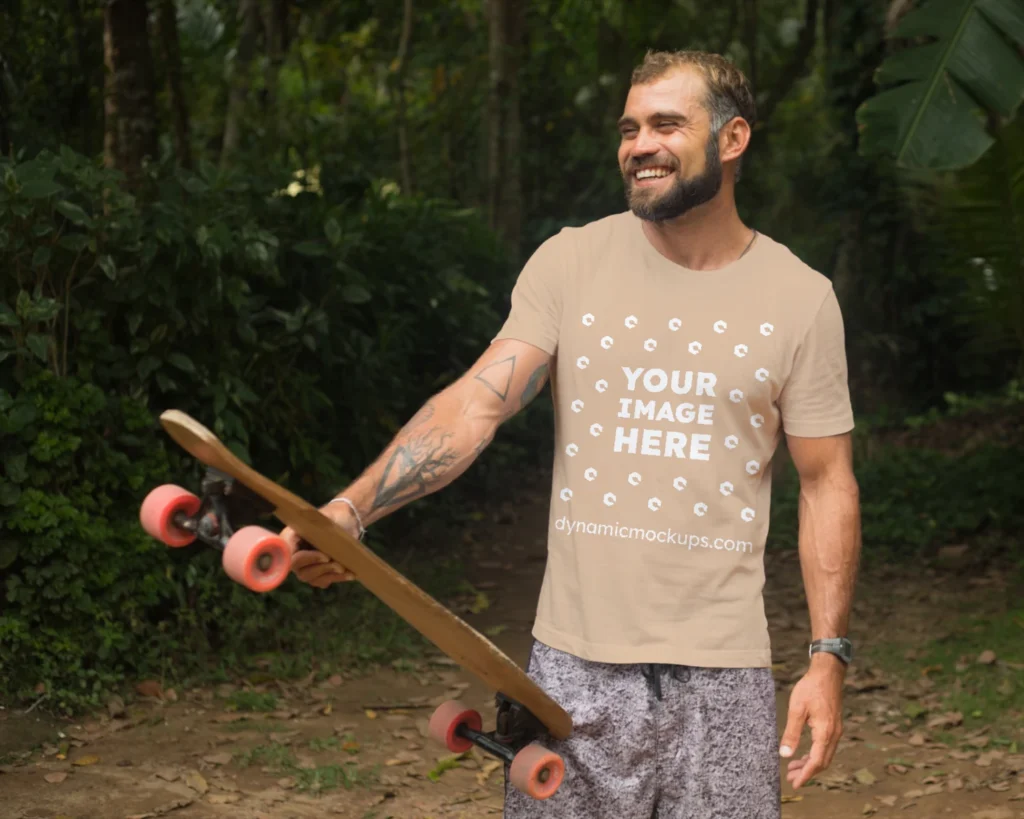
x: 287, y: 783
x: 999, y: 787
x: 82, y: 761
x: 487, y: 770
x: 987, y: 657
x: 222, y: 798
x: 404, y: 758
x: 56, y: 777
x: 888, y: 801
x: 865, y: 777
x: 948, y: 720
x: 786, y: 799
x: 217, y: 759
x: 869, y: 809
x: 955, y: 784
x: 370, y: 713
x: 197, y: 783
x: 917, y: 739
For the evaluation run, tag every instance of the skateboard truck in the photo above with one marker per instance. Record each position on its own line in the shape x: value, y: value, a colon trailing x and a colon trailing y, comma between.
x: 516, y: 728
x: 531, y: 768
x: 222, y: 518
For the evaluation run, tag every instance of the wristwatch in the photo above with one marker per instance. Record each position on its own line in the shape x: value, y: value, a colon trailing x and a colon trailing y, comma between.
x: 839, y: 646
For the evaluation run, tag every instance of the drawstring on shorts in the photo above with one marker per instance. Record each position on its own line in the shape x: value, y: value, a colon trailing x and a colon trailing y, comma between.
x: 653, y: 673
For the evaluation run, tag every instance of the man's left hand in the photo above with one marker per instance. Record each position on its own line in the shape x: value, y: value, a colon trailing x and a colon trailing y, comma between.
x: 816, y: 700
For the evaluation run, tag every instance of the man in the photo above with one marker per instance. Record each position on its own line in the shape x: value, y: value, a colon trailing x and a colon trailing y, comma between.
x: 680, y: 346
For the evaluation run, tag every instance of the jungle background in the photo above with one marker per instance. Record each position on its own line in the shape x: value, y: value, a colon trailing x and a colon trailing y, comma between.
x: 297, y: 219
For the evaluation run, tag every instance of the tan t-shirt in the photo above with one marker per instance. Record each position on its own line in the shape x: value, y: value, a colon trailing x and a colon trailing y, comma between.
x: 672, y: 388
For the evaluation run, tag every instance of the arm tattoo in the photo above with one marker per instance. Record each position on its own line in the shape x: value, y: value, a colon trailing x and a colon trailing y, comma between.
x: 534, y: 385
x: 498, y: 376
x: 414, y: 464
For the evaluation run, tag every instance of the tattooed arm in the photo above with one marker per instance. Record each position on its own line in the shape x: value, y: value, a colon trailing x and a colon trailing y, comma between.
x: 438, y: 444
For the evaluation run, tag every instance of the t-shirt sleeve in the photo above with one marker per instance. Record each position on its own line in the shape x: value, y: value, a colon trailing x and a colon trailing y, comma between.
x: 815, y: 401
x: 536, y: 310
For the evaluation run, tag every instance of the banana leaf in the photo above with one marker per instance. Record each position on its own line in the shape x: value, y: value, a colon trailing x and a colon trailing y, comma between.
x: 963, y: 64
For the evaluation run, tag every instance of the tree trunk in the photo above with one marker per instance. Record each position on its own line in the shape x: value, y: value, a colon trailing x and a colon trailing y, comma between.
x: 275, y: 37
x: 5, y: 111
x: 130, y: 134
x: 248, y: 14
x: 84, y: 114
x: 750, y: 27
x: 504, y: 130
x: 401, y: 63
x: 172, y: 65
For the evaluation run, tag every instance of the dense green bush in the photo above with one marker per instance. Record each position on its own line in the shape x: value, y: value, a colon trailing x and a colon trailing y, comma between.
x: 914, y: 500
x: 304, y: 346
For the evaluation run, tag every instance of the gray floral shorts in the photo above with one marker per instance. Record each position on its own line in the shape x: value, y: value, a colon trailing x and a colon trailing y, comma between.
x: 658, y: 742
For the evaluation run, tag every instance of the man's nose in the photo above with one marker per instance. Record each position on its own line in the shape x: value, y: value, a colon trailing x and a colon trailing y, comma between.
x: 644, y: 144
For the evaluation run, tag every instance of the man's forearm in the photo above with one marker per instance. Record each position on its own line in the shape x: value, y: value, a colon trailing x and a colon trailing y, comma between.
x: 829, y: 551
x: 436, y: 446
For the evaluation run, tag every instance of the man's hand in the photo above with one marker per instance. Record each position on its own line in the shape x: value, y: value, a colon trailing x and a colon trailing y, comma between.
x: 314, y: 567
x: 816, y: 700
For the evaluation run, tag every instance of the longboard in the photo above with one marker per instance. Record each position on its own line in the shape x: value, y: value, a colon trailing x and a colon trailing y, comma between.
x: 260, y: 560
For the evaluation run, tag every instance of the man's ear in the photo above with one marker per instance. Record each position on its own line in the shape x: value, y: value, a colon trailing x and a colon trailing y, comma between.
x: 733, y: 139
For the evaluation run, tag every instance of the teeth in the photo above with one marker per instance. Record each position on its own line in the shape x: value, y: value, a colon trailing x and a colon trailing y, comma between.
x: 652, y: 173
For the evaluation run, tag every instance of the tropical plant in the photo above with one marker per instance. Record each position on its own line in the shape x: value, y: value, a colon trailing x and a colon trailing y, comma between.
x: 982, y: 213
x: 964, y: 63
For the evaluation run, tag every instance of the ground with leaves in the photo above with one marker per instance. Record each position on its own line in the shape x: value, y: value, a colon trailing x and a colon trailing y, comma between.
x: 933, y: 713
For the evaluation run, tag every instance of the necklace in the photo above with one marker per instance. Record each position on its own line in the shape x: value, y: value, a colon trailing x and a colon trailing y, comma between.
x: 751, y: 242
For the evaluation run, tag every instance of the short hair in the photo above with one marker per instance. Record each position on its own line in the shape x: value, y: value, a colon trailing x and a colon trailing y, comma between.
x: 729, y: 94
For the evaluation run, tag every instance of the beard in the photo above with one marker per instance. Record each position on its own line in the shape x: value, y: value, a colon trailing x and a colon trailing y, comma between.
x: 684, y: 195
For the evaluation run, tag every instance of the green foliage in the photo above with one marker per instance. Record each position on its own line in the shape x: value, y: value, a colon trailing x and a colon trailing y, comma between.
x: 928, y: 114
x: 280, y: 759
x: 80, y: 580
x: 915, y: 500
x: 981, y: 211
x: 304, y: 347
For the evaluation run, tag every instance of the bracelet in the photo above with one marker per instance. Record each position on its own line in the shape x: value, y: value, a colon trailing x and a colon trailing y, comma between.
x: 359, y: 520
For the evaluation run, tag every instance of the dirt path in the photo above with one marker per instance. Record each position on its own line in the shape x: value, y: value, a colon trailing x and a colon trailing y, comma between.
x: 356, y: 748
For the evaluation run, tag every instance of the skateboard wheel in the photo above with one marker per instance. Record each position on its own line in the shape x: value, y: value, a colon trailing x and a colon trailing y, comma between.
x: 537, y: 772
x: 447, y: 718
x: 257, y: 558
x: 159, y: 509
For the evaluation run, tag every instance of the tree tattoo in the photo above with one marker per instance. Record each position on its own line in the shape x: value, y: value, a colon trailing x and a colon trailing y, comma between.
x: 413, y: 466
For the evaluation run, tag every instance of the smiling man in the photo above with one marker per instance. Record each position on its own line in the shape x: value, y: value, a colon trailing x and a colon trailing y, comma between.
x: 681, y: 345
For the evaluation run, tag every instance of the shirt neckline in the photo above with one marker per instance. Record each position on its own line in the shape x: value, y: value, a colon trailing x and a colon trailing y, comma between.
x: 654, y: 256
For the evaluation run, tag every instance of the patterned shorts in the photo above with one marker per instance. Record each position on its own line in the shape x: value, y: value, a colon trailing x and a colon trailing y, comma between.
x: 658, y: 742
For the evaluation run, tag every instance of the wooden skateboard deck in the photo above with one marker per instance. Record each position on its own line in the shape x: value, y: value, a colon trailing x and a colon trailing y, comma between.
x: 452, y: 635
